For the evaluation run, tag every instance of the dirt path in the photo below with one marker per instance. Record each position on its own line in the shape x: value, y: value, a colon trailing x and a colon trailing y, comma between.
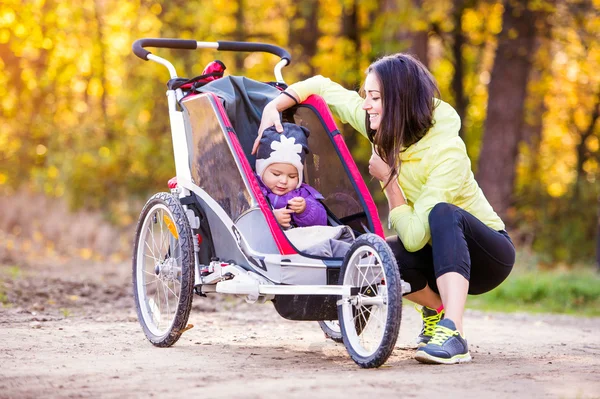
x: 72, y: 332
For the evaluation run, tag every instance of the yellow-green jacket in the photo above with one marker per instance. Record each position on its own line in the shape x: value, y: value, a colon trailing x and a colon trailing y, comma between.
x: 433, y: 170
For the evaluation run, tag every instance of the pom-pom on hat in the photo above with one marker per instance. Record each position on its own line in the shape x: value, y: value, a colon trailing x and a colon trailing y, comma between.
x: 290, y: 146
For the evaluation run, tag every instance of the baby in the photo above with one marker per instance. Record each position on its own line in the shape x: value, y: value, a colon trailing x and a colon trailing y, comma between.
x: 279, y: 166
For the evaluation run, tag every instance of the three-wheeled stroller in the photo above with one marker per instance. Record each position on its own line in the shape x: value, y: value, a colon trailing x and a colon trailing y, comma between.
x: 215, y: 232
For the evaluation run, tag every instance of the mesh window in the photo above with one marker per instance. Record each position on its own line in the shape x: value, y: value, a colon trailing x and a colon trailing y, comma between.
x: 325, y: 171
x: 212, y: 163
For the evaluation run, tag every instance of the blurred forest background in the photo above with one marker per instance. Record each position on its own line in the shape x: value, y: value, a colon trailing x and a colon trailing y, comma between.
x: 84, y: 129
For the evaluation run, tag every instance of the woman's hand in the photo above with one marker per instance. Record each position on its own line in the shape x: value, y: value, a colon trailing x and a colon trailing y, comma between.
x: 378, y: 168
x: 297, y: 204
x: 283, y: 216
x: 270, y: 116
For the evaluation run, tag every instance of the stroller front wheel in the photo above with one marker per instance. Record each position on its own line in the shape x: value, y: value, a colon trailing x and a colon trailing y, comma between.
x: 370, y: 317
x: 163, y: 269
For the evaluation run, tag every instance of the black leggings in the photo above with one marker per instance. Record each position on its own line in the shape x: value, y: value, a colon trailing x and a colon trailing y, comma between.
x: 461, y: 243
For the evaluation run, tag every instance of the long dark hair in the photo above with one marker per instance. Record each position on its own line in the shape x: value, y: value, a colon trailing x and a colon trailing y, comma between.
x: 407, y: 91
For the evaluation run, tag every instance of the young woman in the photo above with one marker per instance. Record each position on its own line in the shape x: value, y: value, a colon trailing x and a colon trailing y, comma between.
x: 449, y: 241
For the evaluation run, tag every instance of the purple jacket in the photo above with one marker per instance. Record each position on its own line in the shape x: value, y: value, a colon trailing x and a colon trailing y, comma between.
x: 313, y: 215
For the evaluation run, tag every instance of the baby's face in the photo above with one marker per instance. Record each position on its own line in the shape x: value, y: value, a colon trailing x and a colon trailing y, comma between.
x: 280, y: 178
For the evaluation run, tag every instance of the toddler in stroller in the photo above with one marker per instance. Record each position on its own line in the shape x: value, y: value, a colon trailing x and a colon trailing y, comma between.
x: 279, y: 168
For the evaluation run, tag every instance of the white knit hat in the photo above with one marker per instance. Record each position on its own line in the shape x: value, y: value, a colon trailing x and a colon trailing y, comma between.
x: 289, y: 147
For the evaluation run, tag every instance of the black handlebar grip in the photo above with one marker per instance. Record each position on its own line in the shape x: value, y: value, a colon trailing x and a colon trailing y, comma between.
x: 140, y: 51
x: 248, y: 46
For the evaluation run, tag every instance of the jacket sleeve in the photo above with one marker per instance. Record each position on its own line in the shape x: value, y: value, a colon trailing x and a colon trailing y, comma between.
x: 344, y: 104
x: 313, y: 215
x: 449, y: 169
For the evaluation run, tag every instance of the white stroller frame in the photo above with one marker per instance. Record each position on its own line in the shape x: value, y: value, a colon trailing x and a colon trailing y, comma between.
x: 369, y: 277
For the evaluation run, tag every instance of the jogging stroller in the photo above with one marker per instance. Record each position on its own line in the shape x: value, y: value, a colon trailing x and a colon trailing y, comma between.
x: 215, y: 232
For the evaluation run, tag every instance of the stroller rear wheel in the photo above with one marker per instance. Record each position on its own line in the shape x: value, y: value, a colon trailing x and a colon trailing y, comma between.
x: 163, y: 269
x: 370, y: 317
x: 331, y: 328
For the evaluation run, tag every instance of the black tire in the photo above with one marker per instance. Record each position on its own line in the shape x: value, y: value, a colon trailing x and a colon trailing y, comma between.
x: 331, y: 328
x: 376, y: 299
x: 169, y: 260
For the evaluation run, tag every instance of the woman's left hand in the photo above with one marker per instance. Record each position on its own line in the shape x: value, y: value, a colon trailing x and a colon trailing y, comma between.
x: 378, y: 168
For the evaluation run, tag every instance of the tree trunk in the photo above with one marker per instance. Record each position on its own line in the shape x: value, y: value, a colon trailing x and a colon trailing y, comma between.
x: 598, y: 237
x: 458, y: 88
x: 396, y: 29
x: 304, y: 35
x: 351, y: 31
x: 581, y: 151
x: 240, y: 35
x: 419, y: 44
x: 507, y: 90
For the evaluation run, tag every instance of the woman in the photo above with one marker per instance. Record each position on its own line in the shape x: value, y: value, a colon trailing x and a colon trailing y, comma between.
x: 450, y: 242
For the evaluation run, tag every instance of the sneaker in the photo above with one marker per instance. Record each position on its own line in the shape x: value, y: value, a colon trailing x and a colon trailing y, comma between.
x: 430, y: 319
x: 446, y: 346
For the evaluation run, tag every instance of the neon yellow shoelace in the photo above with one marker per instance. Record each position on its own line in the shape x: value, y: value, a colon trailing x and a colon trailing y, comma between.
x: 441, y: 335
x: 429, y: 322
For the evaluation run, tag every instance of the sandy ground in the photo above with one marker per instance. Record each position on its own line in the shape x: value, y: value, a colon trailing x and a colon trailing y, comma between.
x: 72, y: 331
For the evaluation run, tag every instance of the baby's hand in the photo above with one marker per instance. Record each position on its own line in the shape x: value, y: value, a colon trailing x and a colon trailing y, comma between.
x: 283, y: 216
x: 297, y: 204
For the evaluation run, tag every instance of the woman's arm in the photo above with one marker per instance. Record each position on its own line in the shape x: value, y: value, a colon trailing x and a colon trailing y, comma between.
x: 345, y: 104
x: 270, y: 116
x: 447, y: 174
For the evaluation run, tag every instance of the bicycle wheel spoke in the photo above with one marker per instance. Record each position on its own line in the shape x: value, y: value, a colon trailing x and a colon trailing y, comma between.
x: 363, y: 275
x: 364, y: 323
x: 366, y: 275
x: 167, y: 302
x: 151, y: 251
x: 373, y: 315
x: 156, y: 250
x: 161, y: 218
x: 173, y: 292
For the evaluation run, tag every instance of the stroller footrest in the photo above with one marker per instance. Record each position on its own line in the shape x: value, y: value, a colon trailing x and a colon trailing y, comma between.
x: 343, y: 290
x: 239, y: 286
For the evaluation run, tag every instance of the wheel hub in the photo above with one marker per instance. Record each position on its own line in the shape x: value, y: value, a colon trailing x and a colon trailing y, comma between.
x: 167, y: 269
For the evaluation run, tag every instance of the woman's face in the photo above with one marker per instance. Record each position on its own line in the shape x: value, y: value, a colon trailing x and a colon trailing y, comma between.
x: 373, y: 103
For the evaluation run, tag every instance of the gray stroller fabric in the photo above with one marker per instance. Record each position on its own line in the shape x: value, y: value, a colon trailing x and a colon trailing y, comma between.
x: 244, y: 100
x: 327, y: 241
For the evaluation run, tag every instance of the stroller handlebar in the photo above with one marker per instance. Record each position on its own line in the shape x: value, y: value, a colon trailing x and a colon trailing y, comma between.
x: 250, y: 46
x: 141, y: 52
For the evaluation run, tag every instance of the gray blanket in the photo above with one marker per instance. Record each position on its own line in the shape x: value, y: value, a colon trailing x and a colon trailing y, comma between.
x: 327, y: 241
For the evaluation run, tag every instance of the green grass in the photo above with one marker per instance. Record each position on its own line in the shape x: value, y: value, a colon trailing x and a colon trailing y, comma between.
x: 7, y: 273
x: 572, y: 292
